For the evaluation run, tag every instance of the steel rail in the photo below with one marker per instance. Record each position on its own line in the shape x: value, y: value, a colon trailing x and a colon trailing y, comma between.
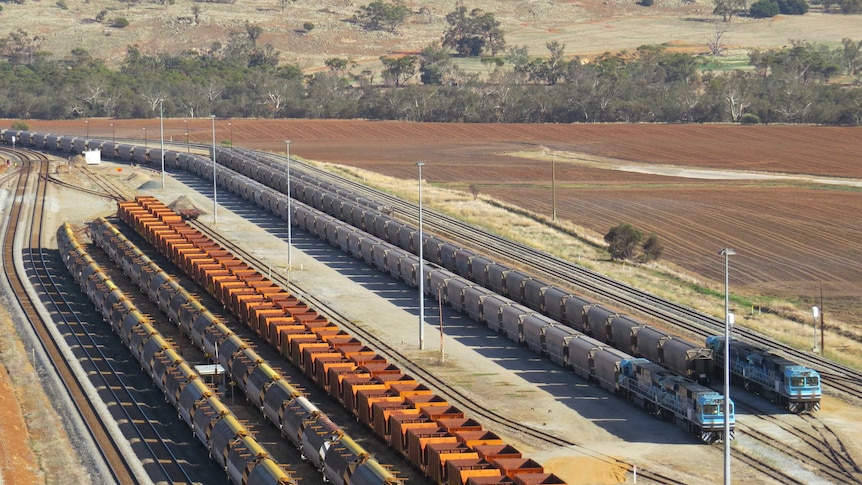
x: 120, y: 469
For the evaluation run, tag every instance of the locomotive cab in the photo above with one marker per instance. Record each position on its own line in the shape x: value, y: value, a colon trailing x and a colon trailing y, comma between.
x: 710, y: 417
x: 801, y: 385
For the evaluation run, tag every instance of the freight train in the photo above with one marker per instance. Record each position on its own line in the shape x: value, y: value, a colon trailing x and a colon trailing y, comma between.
x: 586, y: 356
x: 613, y: 328
x: 621, y: 331
x: 792, y: 386
x: 431, y: 434
x: 594, y: 319
x: 333, y: 452
x: 232, y: 446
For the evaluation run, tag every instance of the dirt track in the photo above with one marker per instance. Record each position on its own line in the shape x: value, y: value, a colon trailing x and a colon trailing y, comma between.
x: 790, y: 235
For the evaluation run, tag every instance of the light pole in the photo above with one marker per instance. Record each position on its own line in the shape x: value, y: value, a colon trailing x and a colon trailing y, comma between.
x: 113, y: 135
x: 87, y: 123
x: 231, y: 133
x: 728, y: 321
x: 815, y: 311
x: 145, y: 137
x: 421, y: 264
x: 162, y: 138
x: 215, y: 178
x: 289, y: 215
x: 188, y: 150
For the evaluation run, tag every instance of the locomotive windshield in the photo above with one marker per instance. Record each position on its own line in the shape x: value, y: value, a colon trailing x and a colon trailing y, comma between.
x: 711, y: 409
x: 797, y: 381
x: 812, y: 381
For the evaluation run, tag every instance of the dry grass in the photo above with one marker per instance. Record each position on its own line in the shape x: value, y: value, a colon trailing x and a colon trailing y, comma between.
x: 785, y: 321
x: 587, y: 28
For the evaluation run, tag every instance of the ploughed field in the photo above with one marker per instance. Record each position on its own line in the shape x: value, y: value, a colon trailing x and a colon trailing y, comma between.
x: 791, y: 233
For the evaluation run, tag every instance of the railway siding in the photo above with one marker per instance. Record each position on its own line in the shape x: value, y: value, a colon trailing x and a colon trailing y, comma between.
x: 365, y: 374
x: 259, y: 265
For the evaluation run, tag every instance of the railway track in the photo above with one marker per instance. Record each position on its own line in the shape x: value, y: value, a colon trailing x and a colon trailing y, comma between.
x: 838, y: 377
x: 156, y: 456
x: 138, y: 424
x: 810, y: 442
x: 105, y: 188
x: 427, y: 376
x: 453, y: 394
x: 157, y: 451
x: 825, y: 453
x: 253, y: 416
x: 398, y: 357
x: 34, y: 172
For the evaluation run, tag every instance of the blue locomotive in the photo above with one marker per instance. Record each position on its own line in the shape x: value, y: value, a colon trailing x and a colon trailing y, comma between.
x: 790, y: 385
x: 674, y: 398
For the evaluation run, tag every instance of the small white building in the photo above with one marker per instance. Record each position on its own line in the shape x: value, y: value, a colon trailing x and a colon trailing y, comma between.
x: 92, y: 157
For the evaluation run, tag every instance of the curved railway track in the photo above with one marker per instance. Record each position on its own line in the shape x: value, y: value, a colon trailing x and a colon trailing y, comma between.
x: 693, y: 322
x: 812, y: 443
x: 827, y: 439
x: 105, y: 188
x: 18, y: 220
x: 140, y: 427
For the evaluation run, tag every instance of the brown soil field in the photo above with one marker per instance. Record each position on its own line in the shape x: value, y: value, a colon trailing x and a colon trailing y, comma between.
x: 759, y: 192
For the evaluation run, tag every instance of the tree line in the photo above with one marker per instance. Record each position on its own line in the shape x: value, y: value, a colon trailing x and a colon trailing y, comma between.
x: 800, y: 83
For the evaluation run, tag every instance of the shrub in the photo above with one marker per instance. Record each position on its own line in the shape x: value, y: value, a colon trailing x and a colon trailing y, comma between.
x: 308, y: 26
x: 763, y: 9
x: 793, y: 7
x: 120, y: 22
x: 622, y: 241
x: 647, y: 3
x: 20, y: 125
x: 62, y: 4
x: 652, y: 248
x: 749, y: 119
x: 100, y: 17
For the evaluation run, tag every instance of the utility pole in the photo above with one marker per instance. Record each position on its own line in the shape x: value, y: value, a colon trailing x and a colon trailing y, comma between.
x: 822, y: 343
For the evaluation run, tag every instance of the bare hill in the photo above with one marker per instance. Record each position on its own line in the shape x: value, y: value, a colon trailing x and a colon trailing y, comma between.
x: 586, y: 27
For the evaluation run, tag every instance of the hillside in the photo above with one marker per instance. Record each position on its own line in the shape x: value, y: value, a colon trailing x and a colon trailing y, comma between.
x: 587, y: 27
